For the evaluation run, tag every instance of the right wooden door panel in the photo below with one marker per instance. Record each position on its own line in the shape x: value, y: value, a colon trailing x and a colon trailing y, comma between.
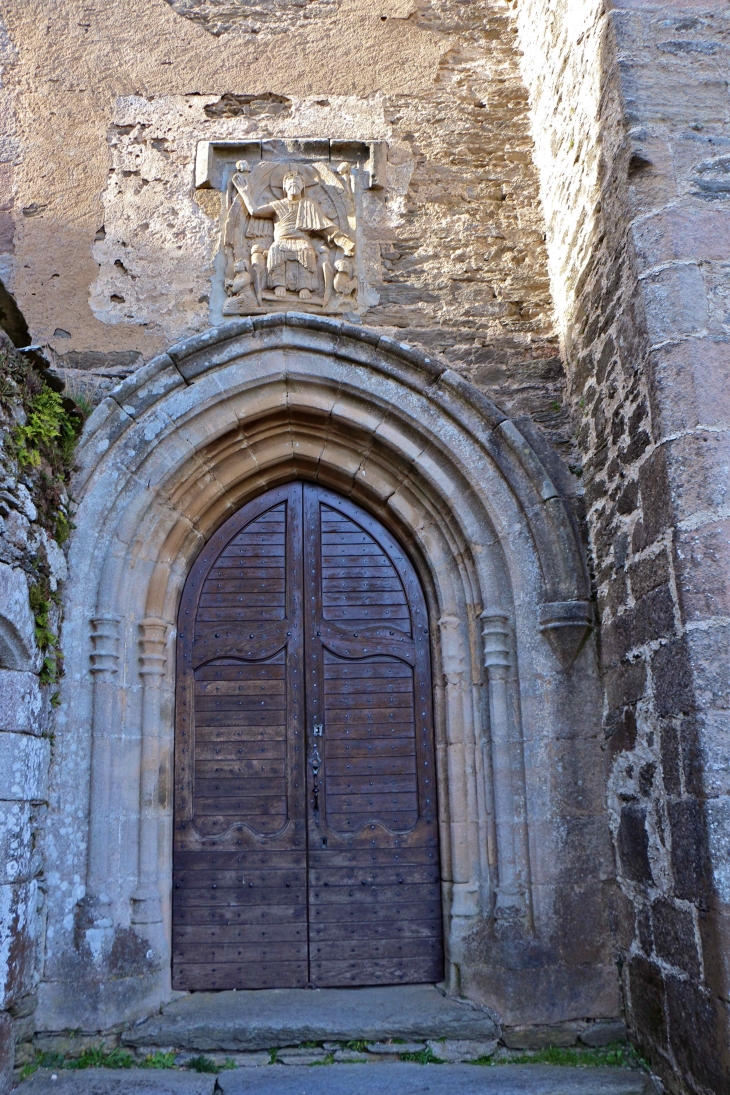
x: 306, y: 839
x: 374, y: 881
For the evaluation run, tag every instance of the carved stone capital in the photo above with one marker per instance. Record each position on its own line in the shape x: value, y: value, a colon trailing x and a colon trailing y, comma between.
x: 566, y: 625
x: 497, y: 633
x: 152, y: 643
x: 105, y: 643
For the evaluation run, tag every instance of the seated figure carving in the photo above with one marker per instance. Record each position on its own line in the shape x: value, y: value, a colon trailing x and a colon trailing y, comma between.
x: 303, y: 235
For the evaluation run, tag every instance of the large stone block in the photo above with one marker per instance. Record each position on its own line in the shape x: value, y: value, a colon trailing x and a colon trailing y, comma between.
x: 545, y: 995
x: 578, y: 787
x: 633, y: 844
x: 690, y: 230
x: 707, y: 648
x: 16, y: 841
x: 656, y: 509
x: 673, y: 930
x: 625, y: 684
x: 650, y: 618
x: 690, y: 385
x: 585, y: 849
x: 676, y: 302
x: 703, y: 570
x: 18, y: 648
x: 690, y: 858
x: 646, y: 990
x: 717, y: 815
x: 707, y: 748
x: 696, y: 1033
x: 677, y: 99
x: 697, y: 470
x: 671, y: 668
x: 18, y: 939
x: 581, y: 924
x: 23, y: 767
x: 21, y: 702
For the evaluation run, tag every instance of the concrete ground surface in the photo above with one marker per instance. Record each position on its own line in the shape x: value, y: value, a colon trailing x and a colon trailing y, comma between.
x: 206, y: 1022
x: 396, y: 1079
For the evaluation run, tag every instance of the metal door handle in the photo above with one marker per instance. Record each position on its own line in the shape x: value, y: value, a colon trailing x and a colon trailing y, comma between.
x: 315, y: 763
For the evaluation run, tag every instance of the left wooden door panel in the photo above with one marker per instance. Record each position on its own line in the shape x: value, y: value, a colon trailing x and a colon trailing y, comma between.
x: 239, y: 864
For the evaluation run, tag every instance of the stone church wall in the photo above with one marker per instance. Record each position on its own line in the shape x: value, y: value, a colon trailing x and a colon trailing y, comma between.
x: 630, y: 121
x: 554, y: 225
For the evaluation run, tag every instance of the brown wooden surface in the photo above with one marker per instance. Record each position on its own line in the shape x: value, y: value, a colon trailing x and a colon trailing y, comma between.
x: 306, y: 843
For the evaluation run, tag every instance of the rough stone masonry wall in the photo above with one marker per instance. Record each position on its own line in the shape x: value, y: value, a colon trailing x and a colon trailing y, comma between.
x: 31, y: 562
x: 631, y: 118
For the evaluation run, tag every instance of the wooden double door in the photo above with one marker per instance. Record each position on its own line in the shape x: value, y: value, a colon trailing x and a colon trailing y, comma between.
x: 306, y: 835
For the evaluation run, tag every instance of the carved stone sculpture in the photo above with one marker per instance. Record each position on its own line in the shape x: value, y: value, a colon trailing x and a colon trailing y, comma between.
x: 289, y: 239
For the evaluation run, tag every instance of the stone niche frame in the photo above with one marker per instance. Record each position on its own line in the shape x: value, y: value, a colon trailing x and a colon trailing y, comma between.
x: 164, y: 461
x: 366, y: 162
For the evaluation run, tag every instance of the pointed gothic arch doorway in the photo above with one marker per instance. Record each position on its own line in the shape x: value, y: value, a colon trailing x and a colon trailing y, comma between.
x: 306, y: 835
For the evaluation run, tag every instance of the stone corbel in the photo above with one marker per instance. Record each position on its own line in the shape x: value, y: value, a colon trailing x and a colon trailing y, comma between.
x: 104, y: 666
x: 510, y: 899
x: 146, y: 904
x: 566, y: 625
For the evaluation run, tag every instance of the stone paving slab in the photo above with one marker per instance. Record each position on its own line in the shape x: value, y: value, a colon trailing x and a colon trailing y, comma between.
x: 116, y: 1081
x: 413, y: 1079
x: 210, y: 1022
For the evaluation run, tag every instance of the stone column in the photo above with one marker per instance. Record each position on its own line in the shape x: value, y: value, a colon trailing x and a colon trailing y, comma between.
x: 510, y: 900
x: 460, y: 764
x: 146, y: 904
x: 104, y: 665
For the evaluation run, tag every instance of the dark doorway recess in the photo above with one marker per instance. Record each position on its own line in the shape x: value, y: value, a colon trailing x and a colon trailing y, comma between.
x: 306, y: 835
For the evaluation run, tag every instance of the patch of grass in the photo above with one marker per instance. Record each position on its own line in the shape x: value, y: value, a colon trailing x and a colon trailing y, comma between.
x: 202, y: 1064
x: 46, y: 424
x: 99, y: 1058
x: 96, y: 1057
x: 354, y: 1047
x: 616, y: 1055
x: 329, y: 1060
x: 423, y: 1057
x: 158, y: 1060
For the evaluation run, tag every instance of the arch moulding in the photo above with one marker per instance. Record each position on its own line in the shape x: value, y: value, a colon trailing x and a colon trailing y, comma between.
x: 164, y: 461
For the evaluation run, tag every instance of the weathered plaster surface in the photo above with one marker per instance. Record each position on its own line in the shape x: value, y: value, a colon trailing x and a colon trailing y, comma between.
x: 457, y: 238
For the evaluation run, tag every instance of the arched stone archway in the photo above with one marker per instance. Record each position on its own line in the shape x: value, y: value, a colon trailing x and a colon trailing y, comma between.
x: 164, y: 461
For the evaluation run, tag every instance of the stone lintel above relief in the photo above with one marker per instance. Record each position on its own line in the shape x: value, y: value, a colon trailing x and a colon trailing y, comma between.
x: 214, y: 158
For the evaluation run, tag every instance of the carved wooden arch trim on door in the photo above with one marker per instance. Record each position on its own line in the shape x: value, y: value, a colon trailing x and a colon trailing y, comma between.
x: 306, y: 834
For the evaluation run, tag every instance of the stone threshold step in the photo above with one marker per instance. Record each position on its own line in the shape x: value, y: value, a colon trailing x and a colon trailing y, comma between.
x: 220, y: 1022
x: 397, y: 1079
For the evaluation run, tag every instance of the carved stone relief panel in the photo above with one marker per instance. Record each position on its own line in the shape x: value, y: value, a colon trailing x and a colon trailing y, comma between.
x: 289, y: 224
